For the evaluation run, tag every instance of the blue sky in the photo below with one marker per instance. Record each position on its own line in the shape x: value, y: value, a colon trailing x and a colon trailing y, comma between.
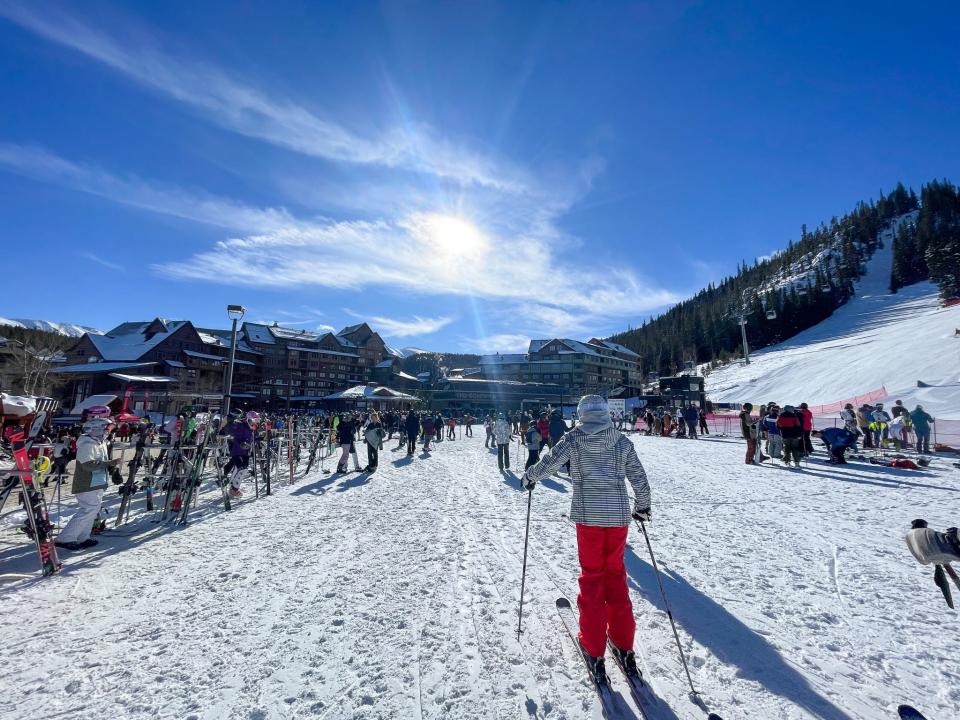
x: 464, y: 175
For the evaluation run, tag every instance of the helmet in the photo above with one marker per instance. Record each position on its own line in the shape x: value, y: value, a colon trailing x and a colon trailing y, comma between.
x: 253, y: 417
x: 98, y: 411
x: 96, y: 427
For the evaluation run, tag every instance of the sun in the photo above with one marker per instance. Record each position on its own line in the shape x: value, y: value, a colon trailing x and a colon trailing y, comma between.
x: 452, y: 236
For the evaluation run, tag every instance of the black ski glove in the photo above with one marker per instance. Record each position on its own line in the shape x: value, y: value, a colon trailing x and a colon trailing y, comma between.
x: 115, y: 476
x: 643, y: 515
x: 528, y: 483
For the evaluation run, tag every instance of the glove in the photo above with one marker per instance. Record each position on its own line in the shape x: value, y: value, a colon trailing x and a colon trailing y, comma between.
x: 528, y: 484
x: 115, y: 476
x: 643, y: 515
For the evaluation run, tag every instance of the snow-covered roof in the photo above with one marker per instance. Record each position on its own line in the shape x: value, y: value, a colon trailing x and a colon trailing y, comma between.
x: 291, y: 333
x: 350, y: 329
x: 388, y: 363
x: 259, y: 334
x: 323, y: 351
x: 142, y: 378
x: 618, y: 347
x: 202, y: 356
x: 174, y: 363
x: 366, y: 392
x: 344, y: 341
x: 573, y: 345
x: 129, y: 342
x: 100, y: 367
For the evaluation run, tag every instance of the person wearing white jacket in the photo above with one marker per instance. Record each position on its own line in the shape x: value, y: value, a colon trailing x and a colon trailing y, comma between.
x: 90, y: 478
x: 601, y: 459
x: 502, y: 434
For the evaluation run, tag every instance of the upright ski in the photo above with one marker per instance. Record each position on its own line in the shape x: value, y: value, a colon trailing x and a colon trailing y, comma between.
x: 611, y: 703
x: 38, y: 525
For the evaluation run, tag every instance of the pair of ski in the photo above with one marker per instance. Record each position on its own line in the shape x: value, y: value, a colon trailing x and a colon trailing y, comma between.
x: 612, y: 706
x: 650, y: 705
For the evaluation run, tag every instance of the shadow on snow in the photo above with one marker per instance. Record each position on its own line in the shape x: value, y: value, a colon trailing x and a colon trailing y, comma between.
x: 728, y: 638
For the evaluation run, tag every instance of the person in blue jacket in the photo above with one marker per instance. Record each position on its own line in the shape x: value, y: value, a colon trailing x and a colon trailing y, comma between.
x: 838, y: 441
x: 921, y: 426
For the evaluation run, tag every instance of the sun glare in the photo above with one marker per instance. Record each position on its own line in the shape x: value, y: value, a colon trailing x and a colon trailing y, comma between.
x: 453, y: 236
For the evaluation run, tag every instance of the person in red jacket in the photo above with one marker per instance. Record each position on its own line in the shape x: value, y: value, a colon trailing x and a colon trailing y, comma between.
x: 807, y: 421
x: 790, y: 425
x: 543, y: 427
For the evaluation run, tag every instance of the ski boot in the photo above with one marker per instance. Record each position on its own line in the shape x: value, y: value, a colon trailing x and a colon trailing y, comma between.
x: 626, y: 659
x: 597, y: 667
x: 235, y: 492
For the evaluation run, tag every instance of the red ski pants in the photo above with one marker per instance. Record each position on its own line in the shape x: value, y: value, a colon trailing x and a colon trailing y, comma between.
x: 604, y: 600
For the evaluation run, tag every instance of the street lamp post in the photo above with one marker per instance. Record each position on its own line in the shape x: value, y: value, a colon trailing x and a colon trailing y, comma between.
x: 234, y: 312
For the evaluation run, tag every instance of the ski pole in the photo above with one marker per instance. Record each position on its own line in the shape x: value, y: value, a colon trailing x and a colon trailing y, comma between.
x: 666, y: 604
x: 523, y: 577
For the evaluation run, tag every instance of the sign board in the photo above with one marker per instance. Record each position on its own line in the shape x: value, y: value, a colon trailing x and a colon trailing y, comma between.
x: 616, y: 405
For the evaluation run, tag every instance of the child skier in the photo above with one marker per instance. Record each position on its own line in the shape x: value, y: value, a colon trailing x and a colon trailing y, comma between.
x: 90, y: 477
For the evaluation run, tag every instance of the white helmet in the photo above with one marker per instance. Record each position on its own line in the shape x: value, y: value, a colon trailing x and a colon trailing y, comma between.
x: 96, y: 427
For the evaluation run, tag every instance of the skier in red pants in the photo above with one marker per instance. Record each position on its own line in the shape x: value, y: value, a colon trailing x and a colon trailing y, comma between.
x: 600, y: 458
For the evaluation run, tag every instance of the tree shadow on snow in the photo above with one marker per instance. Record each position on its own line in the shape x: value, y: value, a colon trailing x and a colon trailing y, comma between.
x: 728, y: 638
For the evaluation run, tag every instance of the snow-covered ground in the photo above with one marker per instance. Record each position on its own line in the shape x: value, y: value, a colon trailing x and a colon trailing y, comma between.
x: 395, y: 596
x: 876, y: 340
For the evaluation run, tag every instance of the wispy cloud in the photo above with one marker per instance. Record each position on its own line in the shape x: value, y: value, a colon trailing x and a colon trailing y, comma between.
x: 430, y: 253
x: 249, y: 111
x: 502, y: 342
x: 100, y: 261
x: 198, y: 206
x: 392, y: 327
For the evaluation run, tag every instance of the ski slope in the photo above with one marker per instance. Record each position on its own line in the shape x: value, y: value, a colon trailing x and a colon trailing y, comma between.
x: 395, y: 596
x: 877, y: 339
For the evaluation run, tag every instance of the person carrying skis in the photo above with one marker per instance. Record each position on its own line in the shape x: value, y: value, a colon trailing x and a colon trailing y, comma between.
x: 600, y: 459
x: 502, y: 434
x: 93, y: 467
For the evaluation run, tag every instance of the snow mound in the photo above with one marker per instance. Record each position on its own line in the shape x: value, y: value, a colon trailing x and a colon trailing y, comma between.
x: 68, y: 329
x: 877, y: 340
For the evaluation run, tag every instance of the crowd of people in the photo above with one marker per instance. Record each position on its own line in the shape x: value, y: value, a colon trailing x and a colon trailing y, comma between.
x: 786, y: 433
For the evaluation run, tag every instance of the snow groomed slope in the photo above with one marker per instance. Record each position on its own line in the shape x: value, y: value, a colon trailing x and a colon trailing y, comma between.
x: 877, y: 340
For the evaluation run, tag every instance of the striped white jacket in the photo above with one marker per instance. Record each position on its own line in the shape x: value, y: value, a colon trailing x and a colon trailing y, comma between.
x: 598, y: 465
